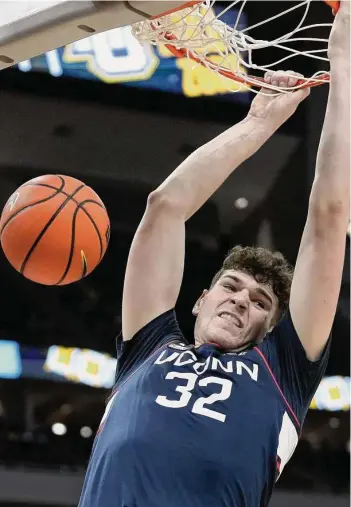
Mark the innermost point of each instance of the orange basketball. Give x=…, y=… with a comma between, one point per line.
x=54, y=230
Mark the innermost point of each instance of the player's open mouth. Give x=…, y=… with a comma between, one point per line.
x=230, y=317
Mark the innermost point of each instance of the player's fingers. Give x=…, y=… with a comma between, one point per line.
x=274, y=78
x=268, y=79
x=268, y=76
x=293, y=78
x=286, y=79
x=283, y=79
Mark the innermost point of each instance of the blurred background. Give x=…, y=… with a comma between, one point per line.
x=120, y=117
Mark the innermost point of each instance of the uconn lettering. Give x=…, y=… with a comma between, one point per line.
x=211, y=364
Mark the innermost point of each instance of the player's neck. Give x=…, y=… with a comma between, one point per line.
x=236, y=350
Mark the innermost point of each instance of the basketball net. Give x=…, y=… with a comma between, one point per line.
x=198, y=32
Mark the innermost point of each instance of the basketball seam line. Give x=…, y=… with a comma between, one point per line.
x=73, y=235
x=58, y=190
x=71, y=250
x=62, y=192
x=45, y=228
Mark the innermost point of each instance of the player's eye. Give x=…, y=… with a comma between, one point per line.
x=260, y=304
x=230, y=287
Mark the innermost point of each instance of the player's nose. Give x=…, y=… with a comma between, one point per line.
x=240, y=300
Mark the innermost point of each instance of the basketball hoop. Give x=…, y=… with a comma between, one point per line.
x=197, y=31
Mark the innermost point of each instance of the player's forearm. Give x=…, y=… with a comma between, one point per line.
x=331, y=188
x=204, y=171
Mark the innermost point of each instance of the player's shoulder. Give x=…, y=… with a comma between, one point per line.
x=163, y=325
x=284, y=327
x=160, y=331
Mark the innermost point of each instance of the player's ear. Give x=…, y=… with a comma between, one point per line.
x=199, y=303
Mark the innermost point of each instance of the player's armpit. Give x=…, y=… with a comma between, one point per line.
x=155, y=265
x=317, y=280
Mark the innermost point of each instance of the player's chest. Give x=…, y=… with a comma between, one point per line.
x=208, y=385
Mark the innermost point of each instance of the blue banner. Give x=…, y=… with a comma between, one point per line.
x=10, y=359
x=117, y=57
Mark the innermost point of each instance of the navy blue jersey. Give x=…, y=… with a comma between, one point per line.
x=199, y=427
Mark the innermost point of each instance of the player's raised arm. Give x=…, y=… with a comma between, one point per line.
x=155, y=264
x=317, y=279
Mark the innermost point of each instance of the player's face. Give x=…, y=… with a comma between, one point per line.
x=236, y=311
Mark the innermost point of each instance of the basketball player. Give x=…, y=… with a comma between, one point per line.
x=213, y=424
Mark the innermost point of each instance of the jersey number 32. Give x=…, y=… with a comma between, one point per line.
x=201, y=404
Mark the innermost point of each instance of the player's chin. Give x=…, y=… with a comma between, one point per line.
x=229, y=340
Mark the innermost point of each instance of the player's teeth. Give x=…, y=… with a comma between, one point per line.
x=230, y=318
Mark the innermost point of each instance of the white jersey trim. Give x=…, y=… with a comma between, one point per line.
x=288, y=440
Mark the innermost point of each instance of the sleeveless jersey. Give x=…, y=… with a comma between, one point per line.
x=199, y=427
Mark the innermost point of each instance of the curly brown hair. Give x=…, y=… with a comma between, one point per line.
x=265, y=266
